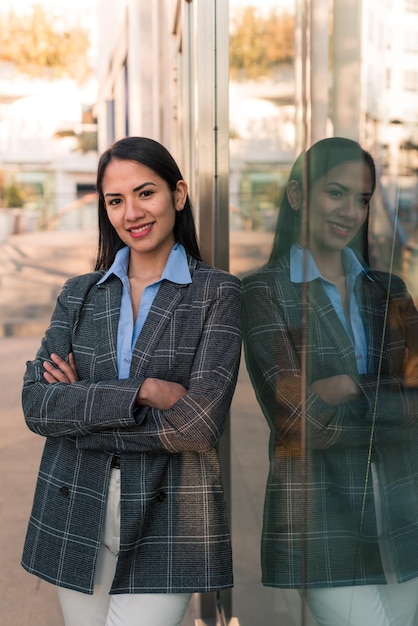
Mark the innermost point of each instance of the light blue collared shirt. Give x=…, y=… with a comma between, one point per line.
x=176, y=270
x=354, y=327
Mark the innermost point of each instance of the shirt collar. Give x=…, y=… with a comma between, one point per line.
x=176, y=269
x=299, y=273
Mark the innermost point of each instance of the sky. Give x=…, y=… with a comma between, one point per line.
x=81, y=12
x=20, y=6
x=80, y=6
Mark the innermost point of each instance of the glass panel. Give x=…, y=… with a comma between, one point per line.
x=323, y=422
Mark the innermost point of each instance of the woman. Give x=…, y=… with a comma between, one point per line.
x=331, y=347
x=131, y=388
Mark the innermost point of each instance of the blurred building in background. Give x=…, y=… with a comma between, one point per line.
x=157, y=75
x=48, y=134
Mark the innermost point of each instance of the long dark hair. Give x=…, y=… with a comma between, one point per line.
x=316, y=162
x=152, y=154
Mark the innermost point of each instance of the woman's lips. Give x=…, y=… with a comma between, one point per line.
x=141, y=231
x=342, y=230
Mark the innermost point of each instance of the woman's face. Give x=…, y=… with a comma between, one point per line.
x=141, y=207
x=338, y=206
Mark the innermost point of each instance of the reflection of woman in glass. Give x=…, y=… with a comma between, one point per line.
x=331, y=347
x=129, y=499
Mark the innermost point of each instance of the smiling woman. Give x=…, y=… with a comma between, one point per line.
x=332, y=350
x=131, y=388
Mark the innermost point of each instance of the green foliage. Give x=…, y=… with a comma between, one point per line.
x=260, y=42
x=40, y=46
x=12, y=197
x=87, y=141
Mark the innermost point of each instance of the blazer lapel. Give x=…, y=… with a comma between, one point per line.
x=321, y=307
x=373, y=304
x=105, y=319
x=166, y=302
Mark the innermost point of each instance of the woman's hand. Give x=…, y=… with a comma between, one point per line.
x=336, y=389
x=159, y=394
x=61, y=372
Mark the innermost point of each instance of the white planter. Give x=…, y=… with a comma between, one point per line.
x=7, y=219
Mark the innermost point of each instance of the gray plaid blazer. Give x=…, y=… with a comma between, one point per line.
x=319, y=525
x=174, y=527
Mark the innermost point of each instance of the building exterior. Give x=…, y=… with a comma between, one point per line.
x=39, y=151
x=163, y=72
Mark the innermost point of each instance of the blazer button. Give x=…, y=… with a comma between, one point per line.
x=161, y=496
x=331, y=492
x=65, y=491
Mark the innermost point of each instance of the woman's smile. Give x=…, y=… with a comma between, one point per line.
x=342, y=230
x=141, y=231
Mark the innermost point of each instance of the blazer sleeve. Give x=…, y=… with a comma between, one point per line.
x=274, y=366
x=294, y=413
x=197, y=420
x=87, y=406
x=390, y=402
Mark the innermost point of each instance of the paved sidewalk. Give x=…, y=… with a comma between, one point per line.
x=24, y=600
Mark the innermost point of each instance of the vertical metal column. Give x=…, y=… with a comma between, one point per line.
x=211, y=132
x=311, y=71
x=347, y=75
x=303, y=74
x=212, y=152
x=304, y=103
x=319, y=68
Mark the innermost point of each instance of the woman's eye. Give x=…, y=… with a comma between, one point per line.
x=146, y=193
x=113, y=202
x=335, y=193
x=364, y=202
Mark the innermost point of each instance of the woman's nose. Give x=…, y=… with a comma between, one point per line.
x=350, y=206
x=132, y=210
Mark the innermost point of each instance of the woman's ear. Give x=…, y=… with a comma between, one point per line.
x=180, y=195
x=294, y=194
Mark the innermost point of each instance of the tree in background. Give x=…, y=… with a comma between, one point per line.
x=41, y=46
x=12, y=196
x=260, y=42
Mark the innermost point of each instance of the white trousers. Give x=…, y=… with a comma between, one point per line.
x=365, y=605
x=102, y=609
